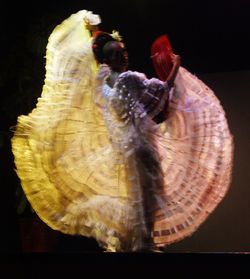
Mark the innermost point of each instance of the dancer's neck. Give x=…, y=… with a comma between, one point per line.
x=112, y=78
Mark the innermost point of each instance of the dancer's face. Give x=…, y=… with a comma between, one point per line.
x=116, y=56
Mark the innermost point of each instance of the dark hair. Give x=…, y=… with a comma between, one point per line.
x=99, y=40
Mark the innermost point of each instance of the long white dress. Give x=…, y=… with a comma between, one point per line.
x=93, y=162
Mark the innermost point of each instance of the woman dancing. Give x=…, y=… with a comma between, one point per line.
x=95, y=160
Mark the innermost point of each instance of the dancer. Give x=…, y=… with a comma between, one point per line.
x=93, y=158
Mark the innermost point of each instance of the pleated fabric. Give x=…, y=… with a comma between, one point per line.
x=126, y=181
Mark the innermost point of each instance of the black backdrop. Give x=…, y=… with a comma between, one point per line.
x=212, y=38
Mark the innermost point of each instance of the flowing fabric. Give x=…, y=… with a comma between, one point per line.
x=93, y=162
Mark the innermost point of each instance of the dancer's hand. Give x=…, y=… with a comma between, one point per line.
x=176, y=59
x=104, y=71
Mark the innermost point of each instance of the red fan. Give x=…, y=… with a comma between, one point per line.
x=161, y=51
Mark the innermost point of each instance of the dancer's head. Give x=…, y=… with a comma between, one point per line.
x=110, y=50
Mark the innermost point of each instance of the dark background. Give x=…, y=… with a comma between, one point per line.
x=212, y=38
